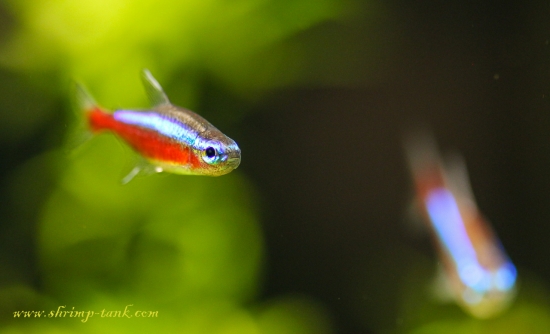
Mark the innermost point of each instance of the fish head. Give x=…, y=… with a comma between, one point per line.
x=217, y=153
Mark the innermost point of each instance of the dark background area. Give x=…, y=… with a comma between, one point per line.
x=329, y=162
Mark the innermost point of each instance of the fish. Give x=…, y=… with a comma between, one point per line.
x=169, y=138
x=477, y=272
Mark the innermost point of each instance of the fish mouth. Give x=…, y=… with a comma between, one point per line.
x=233, y=162
x=233, y=157
x=228, y=166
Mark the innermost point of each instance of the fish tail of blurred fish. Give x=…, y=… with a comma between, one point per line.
x=422, y=160
x=421, y=152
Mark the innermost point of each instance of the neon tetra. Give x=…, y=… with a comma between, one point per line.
x=170, y=138
x=479, y=274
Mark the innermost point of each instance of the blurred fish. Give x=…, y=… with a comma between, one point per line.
x=169, y=138
x=478, y=274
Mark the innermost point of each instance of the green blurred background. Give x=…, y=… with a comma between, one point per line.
x=309, y=234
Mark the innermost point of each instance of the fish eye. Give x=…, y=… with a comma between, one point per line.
x=210, y=155
x=210, y=152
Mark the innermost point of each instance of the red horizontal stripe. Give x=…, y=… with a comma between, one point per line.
x=148, y=143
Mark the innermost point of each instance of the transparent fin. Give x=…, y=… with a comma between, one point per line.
x=154, y=91
x=457, y=176
x=76, y=137
x=83, y=100
x=423, y=160
x=142, y=168
x=135, y=171
x=421, y=151
x=78, y=132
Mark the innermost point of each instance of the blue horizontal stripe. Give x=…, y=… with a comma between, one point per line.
x=449, y=226
x=154, y=121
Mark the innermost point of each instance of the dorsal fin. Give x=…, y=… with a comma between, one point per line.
x=154, y=91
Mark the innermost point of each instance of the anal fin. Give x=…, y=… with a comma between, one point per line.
x=141, y=168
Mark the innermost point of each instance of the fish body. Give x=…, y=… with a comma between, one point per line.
x=479, y=274
x=168, y=137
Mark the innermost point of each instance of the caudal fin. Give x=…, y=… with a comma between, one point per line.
x=83, y=100
x=79, y=130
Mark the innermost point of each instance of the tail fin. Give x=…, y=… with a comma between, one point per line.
x=427, y=171
x=423, y=155
x=83, y=100
x=79, y=131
